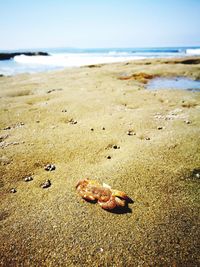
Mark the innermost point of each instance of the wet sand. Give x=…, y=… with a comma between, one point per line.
x=48, y=117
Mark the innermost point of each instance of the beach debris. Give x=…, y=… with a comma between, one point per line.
x=116, y=147
x=108, y=157
x=72, y=121
x=13, y=190
x=46, y=184
x=104, y=195
x=28, y=179
x=50, y=167
x=130, y=132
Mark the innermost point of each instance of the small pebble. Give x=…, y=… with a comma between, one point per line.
x=28, y=179
x=64, y=110
x=37, y=121
x=108, y=157
x=73, y=121
x=7, y=128
x=103, y=128
x=13, y=190
x=187, y=122
x=116, y=147
x=50, y=167
x=196, y=173
x=130, y=132
x=147, y=138
x=159, y=127
x=46, y=184
x=91, y=129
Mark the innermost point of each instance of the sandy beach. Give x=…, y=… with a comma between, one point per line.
x=72, y=119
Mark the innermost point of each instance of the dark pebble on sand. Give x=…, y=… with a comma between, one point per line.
x=147, y=138
x=159, y=127
x=28, y=179
x=130, y=132
x=7, y=128
x=187, y=122
x=73, y=121
x=46, y=184
x=13, y=190
x=108, y=157
x=50, y=167
x=64, y=110
x=116, y=147
x=196, y=173
x=92, y=129
x=103, y=128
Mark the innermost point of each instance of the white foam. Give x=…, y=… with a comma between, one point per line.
x=193, y=51
x=71, y=60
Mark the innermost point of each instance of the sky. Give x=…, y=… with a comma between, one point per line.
x=99, y=23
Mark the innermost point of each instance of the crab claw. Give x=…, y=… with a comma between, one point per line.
x=108, y=205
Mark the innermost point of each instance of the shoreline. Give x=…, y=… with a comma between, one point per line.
x=47, y=118
x=67, y=58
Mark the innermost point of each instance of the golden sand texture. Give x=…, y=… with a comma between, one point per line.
x=72, y=118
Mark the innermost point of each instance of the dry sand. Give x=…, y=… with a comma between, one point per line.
x=54, y=226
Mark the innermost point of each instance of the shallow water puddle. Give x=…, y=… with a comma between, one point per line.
x=181, y=83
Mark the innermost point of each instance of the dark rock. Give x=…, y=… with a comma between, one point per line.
x=50, y=167
x=92, y=129
x=46, y=184
x=108, y=157
x=103, y=128
x=159, y=127
x=116, y=147
x=7, y=56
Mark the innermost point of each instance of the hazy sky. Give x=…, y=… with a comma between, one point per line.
x=98, y=23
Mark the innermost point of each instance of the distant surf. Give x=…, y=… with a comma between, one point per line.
x=73, y=57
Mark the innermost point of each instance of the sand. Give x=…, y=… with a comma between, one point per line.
x=48, y=117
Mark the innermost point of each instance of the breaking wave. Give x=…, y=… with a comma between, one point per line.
x=71, y=60
x=193, y=51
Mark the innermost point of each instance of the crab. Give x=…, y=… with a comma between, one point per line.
x=104, y=195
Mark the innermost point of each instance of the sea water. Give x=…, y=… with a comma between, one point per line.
x=177, y=83
x=73, y=57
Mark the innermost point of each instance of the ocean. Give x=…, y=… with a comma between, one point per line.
x=75, y=57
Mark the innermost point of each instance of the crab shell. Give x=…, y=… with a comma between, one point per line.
x=106, y=197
